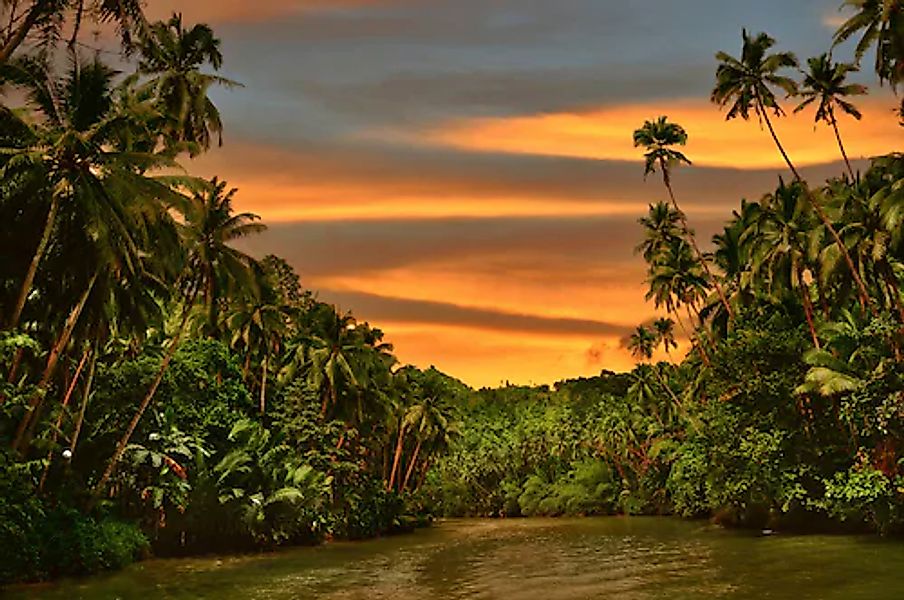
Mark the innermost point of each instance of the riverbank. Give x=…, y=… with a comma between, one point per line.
x=552, y=559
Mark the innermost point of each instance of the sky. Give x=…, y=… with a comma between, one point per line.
x=460, y=173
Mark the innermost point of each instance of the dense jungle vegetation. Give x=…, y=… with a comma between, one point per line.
x=163, y=391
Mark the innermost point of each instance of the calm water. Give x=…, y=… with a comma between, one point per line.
x=528, y=559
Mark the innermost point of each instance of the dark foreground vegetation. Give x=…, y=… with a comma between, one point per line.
x=162, y=391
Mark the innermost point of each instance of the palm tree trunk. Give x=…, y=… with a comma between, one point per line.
x=18, y=36
x=79, y=13
x=665, y=384
x=59, y=422
x=693, y=241
x=396, y=458
x=425, y=468
x=14, y=368
x=808, y=306
x=35, y=261
x=124, y=441
x=844, y=155
x=85, y=396
x=37, y=399
x=417, y=450
x=690, y=338
x=855, y=274
x=264, y=388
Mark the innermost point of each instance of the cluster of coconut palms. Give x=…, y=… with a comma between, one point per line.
x=815, y=247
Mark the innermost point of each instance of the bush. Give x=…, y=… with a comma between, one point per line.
x=866, y=496
x=77, y=545
x=36, y=543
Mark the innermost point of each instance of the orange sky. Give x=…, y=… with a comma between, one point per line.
x=607, y=288
x=605, y=134
x=461, y=172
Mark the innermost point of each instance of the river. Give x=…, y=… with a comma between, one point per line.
x=526, y=559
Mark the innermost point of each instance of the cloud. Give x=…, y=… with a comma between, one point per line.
x=605, y=134
x=378, y=308
x=355, y=181
x=834, y=19
x=461, y=172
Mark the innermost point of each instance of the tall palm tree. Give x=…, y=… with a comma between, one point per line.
x=172, y=57
x=747, y=85
x=826, y=82
x=659, y=137
x=76, y=153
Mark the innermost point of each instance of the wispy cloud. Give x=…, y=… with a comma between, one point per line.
x=605, y=134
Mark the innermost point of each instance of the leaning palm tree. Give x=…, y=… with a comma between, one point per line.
x=659, y=137
x=746, y=84
x=826, y=83
x=172, y=57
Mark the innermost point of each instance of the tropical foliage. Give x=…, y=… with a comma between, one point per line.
x=161, y=390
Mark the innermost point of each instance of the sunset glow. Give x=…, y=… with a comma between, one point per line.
x=603, y=135
x=459, y=176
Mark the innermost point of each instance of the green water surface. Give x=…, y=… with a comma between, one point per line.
x=526, y=559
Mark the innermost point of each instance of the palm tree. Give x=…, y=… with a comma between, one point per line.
x=882, y=23
x=221, y=270
x=642, y=343
x=49, y=19
x=329, y=358
x=746, y=85
x=826, y=82
x=675, y=279
x=101, y=201
x=660, y=230
x=172, y=57
x=781, y=257
x=76, y=153
x=258, y=329
x=658, y=138
x=665, y=333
